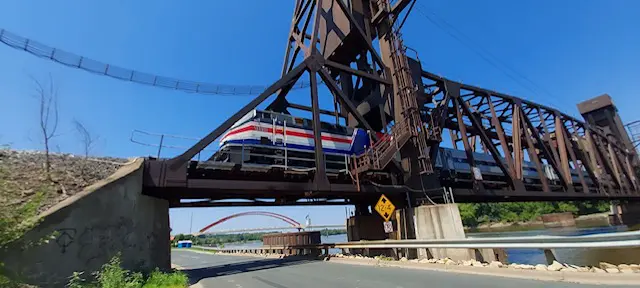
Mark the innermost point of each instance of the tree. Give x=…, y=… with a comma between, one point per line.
x=47, y=96
x=88, y=140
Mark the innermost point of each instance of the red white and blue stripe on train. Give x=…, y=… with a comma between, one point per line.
x=253, y=129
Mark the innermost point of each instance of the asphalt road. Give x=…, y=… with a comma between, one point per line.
x=209, y=270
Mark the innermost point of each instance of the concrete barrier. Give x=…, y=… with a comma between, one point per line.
x=109, y=217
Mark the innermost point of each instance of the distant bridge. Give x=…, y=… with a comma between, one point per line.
x=293, y=224
x=307, y=228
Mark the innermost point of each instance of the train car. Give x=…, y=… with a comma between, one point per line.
x=271, y=138
x=454, y=166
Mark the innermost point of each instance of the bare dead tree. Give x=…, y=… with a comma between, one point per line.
x=88, y=140
x=47, y=96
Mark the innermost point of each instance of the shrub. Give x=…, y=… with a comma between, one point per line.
x=112, y=275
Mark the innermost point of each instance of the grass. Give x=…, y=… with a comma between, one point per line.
x=384, y=258
x=112, y=275
x=203, y=250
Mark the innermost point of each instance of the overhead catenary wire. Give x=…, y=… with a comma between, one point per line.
x=484, y=54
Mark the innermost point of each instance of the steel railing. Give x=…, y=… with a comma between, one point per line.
x=607, y=240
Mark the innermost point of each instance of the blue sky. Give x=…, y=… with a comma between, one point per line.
x=574, y=49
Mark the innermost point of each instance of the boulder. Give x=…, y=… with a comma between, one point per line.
x=627, y=270
x=605, y=265
x=555, y=266
x=423, y=261
x=569, y=269
x=597, y=270
x=612, y=270
x=496, y=264
x=476, y=263
x=450, y=262
x=403, y=259
x=624, y=266
x=541, y=267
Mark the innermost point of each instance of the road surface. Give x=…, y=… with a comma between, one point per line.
x=222, y=271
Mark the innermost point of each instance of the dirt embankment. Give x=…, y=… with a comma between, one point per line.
x=23, y=176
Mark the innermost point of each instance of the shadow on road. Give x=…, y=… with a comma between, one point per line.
x=198, y=274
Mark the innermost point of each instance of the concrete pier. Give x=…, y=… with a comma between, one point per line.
x=626, y=214
x=89, y=228
x=440, y=222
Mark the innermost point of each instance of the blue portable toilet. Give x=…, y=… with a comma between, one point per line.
x=184, y=244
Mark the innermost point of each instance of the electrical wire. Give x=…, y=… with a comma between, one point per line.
x=483, y=53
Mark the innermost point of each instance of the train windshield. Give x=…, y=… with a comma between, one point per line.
x=297, y=122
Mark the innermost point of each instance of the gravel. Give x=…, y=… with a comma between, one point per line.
x=22, y=175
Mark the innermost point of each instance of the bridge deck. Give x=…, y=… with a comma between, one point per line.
x=259, y=186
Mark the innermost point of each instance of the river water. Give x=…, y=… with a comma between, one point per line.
x=521, y=256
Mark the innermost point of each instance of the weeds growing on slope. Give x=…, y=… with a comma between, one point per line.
x=112, y=275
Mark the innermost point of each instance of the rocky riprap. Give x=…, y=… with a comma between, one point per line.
x=555, y=266
x=22, y=176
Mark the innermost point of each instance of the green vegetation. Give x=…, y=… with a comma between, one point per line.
x=112, y=275
x=17, y=216
x=482, y=213
x=329, y=232
x=220, y=239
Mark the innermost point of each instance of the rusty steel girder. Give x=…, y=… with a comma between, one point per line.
x=506, y=126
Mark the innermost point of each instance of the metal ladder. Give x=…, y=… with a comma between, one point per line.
x=408, y=127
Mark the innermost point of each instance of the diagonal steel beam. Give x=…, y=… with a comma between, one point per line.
x=469, y=149
x=355, y=24
x=183, y=158
x=562, y=174
x=352, y=71
x=533, y=155
x=333, y=87
x=494, y=151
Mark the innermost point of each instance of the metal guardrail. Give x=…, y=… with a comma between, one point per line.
x=608, y=240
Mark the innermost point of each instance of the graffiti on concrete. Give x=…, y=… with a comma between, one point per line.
x=98, y=242
x=65, y=238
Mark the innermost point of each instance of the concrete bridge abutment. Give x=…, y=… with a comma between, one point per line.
x=108, y=218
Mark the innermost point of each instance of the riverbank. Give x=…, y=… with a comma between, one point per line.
x=583, y=221
x=610, y=275
x=604, y=273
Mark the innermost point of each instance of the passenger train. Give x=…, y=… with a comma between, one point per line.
x=265, y=137
x=281, y=140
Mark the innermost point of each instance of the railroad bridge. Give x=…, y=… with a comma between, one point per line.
x=505, y=148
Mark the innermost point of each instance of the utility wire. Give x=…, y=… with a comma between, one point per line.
x=483, y=53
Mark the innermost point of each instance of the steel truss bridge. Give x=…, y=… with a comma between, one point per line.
x=385, y=91
x=381, y=89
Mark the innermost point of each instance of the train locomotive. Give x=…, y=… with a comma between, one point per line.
x=275, y=139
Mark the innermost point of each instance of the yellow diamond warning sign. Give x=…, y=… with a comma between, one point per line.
x=385, y=208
